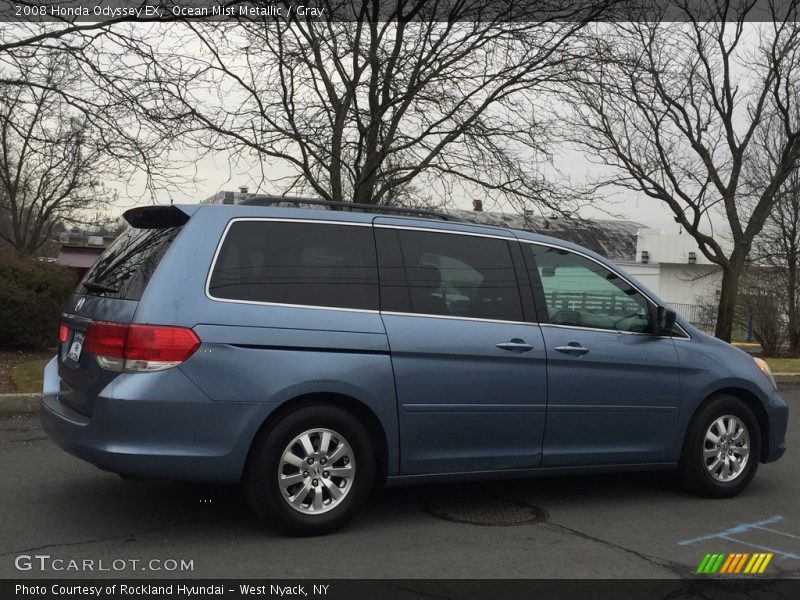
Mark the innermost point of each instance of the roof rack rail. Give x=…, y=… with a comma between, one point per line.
x=266, y=200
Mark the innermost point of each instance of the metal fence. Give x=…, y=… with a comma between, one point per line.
x=702, y=316
x=694, y=313
x=705, y=317
x=606, y=304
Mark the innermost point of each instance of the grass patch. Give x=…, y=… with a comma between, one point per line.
x=27, y=377
x=784, y=365
x=744, y=345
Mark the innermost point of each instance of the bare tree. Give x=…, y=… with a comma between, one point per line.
x=28, y=34
x=50, y=169
x=677, y=112
x=777, y=248
x=39, y=24
x=359, y=110
x=101, y=91
x=761, y=308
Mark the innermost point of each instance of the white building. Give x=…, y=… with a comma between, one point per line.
x=677, y=270
x=669, y=264
x=228, y=197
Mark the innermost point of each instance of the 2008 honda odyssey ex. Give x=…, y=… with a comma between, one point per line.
x=312, y=354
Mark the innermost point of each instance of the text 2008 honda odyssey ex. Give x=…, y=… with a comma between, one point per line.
x=312, y=354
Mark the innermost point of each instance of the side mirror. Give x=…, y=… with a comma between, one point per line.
x=548, y=271
x=665, y=320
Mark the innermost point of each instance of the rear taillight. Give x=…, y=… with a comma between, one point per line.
x=106, y=339
x=138, y=348
x=63, y=333
x=158, y=345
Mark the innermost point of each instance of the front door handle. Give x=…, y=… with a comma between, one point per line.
x=515, y=345
x=573, y=348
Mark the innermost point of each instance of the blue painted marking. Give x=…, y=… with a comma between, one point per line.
x=733, y=530
x=797, y=537
x=778, y=553
x=742, y=528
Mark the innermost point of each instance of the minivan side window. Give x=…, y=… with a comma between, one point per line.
x=580, y=292
x=448, y=274
x=312, y=264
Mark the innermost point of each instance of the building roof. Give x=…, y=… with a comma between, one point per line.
x=610, y=238
x=78, y=257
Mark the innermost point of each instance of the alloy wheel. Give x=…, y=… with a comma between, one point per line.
x=316, y=471
x=726, y=448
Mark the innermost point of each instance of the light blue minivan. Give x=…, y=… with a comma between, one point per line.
x=312, y=354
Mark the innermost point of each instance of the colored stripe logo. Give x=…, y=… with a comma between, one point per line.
x=735, y=563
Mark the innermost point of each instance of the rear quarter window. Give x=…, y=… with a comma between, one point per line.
x=129, y=263
x=310, y=264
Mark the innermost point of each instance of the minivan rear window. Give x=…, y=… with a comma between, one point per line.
x=125, y=268
x=309, y=264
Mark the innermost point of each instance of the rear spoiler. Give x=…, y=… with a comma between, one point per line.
x=158, y=217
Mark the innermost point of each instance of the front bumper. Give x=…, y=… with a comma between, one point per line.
x=778, y=418
x=155, y=425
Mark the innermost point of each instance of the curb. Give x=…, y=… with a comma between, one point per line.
x=787, y=377
x=16, y=404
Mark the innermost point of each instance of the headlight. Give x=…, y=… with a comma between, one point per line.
x=764, y=368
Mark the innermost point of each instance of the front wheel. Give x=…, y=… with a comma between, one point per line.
x=312, y=472
x=721, y=450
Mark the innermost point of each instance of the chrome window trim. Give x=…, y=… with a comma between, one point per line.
x=392, y=313
x=280, y=304
x=424, y=315
x=450, y=231
x=580, y=328
x=618, y=274
x=284, y=305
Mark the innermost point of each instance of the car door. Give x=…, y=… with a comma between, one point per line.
x=468, y=361
x=613, y=387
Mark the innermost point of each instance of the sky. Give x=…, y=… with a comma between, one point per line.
x=620, y=204
x=215, y=174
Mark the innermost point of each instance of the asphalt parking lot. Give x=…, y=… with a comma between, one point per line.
x=631, y=526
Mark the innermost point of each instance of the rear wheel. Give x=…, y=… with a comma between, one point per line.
x=311, y=472
x=722, y=449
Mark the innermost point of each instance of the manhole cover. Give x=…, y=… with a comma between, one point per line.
x=488, y=512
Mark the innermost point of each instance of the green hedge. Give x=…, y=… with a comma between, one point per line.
x=32, y=297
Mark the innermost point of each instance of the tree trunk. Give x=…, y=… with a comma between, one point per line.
x=794, y=334
x=365, y=193
x=727, y=302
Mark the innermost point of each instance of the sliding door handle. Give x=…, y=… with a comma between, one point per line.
x=572, y=348
x=515, y=345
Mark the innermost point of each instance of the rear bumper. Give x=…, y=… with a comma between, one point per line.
x=162, y=426
x=778, y=416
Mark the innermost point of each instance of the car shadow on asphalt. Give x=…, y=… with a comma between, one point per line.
x=148, y=504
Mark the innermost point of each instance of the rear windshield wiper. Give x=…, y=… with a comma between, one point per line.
x=99, y=287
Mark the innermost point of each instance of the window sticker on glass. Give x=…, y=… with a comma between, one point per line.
x=76, y=347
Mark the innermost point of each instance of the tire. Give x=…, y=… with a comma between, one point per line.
x=704, y=474
x=322, y=501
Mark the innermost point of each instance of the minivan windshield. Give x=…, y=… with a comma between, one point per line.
x=125, y=268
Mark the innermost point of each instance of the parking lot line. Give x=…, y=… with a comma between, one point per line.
x=742, y=528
